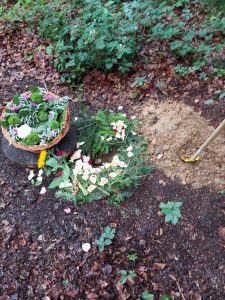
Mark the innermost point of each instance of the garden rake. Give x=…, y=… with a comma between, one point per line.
x=196, y=156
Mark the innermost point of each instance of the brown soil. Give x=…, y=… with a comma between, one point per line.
x=172, y=130
x=41, y=244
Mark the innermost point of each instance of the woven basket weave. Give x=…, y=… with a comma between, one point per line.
x=38, y=148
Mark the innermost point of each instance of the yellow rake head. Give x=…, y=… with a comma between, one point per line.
x=189, y=160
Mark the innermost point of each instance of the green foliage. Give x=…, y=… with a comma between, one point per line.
x=54, y=124
x=42, y=116
x=171, y=210
x=106, y=238
x=166, y=297
x=139, y=81
x=13, y=120
x=32, y=139
x=36, y=97
x=132, y=257
x=97, y=133
x=146, y=296
x=215, y=6
x=209, y=102
x=125, y=275
x=108, y=34
x=119, y=169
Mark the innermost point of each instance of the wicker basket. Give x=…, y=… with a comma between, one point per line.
x=38, y=148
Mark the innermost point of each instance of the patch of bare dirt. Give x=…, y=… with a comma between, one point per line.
x=173, y=129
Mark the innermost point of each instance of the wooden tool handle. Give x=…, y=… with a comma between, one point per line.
x=209, y=140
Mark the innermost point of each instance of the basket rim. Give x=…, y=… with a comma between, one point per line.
x=39, y=148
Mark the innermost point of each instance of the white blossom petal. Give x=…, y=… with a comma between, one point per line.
x=91, y=188
x=103, y=181
x=130, y=148
x=86, y=247
x=23, y=131
x=130, y=154
x=93, y=179
x=39, y=178
x=120, y=107
x=40, y=172
x=43, y=191
x=31, y=175
x=76, y=155
x=113, y=174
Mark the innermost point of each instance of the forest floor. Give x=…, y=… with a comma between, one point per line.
x=41, y=239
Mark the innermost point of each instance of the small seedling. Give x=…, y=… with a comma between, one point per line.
x=171, y=210
x=132, y=257
x=165, y=297
x=106, y=238
x=209, y=102
x=221, y=192
x=139, y=81
x=159, y=85
x=65, y=282
x=125, y=275
x=146, y=296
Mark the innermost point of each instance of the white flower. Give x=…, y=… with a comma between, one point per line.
x=118, y=135
x=92, y=170
x=123, y=164
x=120, y=107
x=65, y=185
x=86, y=167
x=78, y=167
x=76, y=155
x=23, y=131
x=91, y=188
x=120, y=123
x=93, y=179
x=98, y=170
x=133, y=117
x=40, y=172
x=130, y=148
x=124, y=115
x=103, y=181
x=130, y=154
x=85, y=176
x=75, y=119
x=39, y=178
x=109, y=139
x=113, y=174
x=134, y=133
x=102, y=138
x=42, y=191
x=67, y=210
x=123, y=134
x=107, y=165
x=86, y=247
x=86, y=159
x=31, y=175
x=115, y=161
x=80, y=144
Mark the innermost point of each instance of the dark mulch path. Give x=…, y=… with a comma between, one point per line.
x=41, y=244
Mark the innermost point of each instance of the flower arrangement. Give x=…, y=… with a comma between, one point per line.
x=108, y=160
x=34, y=117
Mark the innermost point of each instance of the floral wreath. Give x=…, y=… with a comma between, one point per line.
x=108, y=160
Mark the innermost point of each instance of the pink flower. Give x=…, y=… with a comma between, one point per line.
x=48, y=97
x=26, y=95
x=59, y=153
x=59, y=173
x=15, y=107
